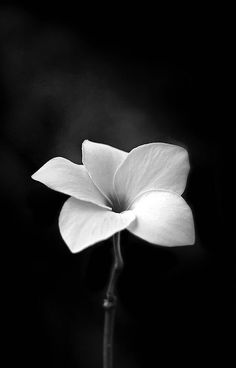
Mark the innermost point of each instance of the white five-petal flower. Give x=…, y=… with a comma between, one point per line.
x=115, y=190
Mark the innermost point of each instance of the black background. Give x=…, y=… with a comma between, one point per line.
x=123, y=77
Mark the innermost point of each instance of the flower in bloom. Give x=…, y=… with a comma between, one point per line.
x=114, y=190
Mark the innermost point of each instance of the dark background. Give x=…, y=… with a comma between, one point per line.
x=123, y=77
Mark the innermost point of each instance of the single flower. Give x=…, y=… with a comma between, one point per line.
x=114, y=190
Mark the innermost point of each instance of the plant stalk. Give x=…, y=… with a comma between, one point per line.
x=110, y=303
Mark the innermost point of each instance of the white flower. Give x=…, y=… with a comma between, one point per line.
x=114, y=190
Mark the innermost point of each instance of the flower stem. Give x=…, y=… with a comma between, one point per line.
x=110, y=303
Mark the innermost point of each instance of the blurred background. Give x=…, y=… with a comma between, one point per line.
x=124, y=79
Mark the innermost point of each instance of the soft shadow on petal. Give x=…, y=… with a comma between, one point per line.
x=163, y=218
x=64, y=176
x=153, y=166
x=101, y=162
x=82, y=224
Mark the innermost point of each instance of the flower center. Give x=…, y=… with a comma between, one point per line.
x=118, y=205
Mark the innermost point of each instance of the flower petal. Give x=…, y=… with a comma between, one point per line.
x=64, y=176
x=82, y=224
x=101, y=162
x=163, y=218
x=154, y=166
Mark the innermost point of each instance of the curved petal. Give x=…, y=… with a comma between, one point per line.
x=153, y=166
x=163, y=218
x=101, y=162
x=64, y=176
x=82, y=224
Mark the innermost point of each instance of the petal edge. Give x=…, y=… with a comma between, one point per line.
x=83, y=224
x=152, y=166
x=102, y=161
x=163, y=218
x=69, y=178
